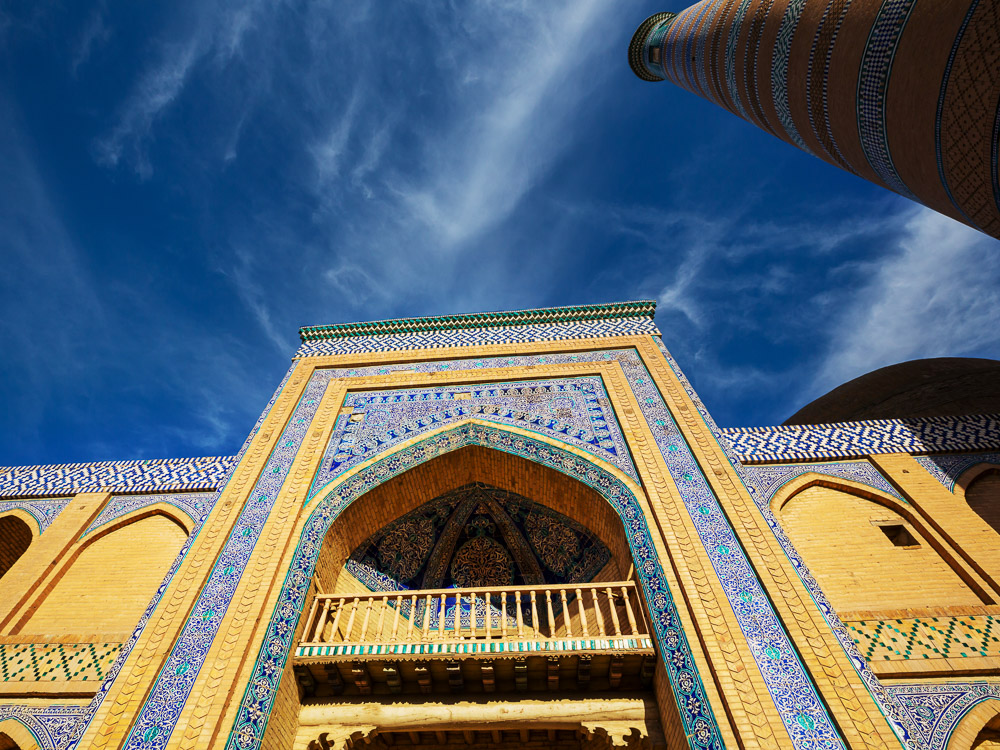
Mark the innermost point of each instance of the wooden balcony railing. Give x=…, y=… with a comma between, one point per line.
x=599, y=617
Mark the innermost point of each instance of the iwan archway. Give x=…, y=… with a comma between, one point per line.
x=565, y=480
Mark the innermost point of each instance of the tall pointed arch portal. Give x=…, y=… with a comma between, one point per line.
x=323, y=601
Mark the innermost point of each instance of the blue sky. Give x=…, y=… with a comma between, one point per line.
x=184, y=184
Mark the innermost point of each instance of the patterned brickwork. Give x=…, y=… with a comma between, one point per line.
x=967, y=117
x=850, y=73
x=52, y=662
x=160, y=475
x=948, y=468
x=854, y=439
x=927, y=637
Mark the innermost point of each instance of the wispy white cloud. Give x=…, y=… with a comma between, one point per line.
x=94, y=34
x=217, y=30
x=514, y=122
x=936, y=293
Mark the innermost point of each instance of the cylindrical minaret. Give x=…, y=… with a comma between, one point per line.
x=905, y=93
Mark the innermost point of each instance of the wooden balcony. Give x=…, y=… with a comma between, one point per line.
x=521, y=638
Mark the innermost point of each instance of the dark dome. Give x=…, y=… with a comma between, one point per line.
x=941, y=387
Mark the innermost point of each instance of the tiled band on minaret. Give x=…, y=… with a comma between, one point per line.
x=905, y=93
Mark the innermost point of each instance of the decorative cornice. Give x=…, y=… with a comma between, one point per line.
x=635, y=309
x=637, y=47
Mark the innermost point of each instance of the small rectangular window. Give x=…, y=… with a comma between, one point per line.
x=899, y=535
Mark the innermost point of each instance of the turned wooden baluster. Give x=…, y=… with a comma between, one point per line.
x=566, y=615
x=381, y=619
x=597, y=613
x=318, y=634
x=350, y=620
x=395, y=619
x=535, y=623
x=488, y=608
x=520, y=615
x=629, y=612
x=310, y=627
x=427, y=617
x=582, y=609
x=614, y=612
x=336, y=618
x=551, y=614
x=366, y=620
x=472, y=615
x=441, y=618
x=413, y=617
x=503, y=615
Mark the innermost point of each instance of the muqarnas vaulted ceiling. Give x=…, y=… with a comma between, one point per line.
x=478, y=536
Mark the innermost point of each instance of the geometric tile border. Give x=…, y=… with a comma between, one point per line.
x=958, y=637
x=478, y=336
x=51, y=662
x=159, y=475
x=948, y=468
x=856, y=439
x=415, y=650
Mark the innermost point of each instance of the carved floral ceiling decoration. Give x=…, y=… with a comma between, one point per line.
x=478, y=536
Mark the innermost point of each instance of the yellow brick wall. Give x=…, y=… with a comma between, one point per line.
x=15, y=536
x=983, y=496
x=856, y=565
x=108, y=584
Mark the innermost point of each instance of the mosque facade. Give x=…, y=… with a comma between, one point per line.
x=509, y=530
x=904, y=93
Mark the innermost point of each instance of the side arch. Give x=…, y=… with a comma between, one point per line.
x=979, y=729
x=980, y=488
x=124, y=563
x=19, y=734
x=615, y=487
x=18, y=530
x=849, y=534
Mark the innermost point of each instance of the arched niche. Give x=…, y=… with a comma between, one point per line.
x=981, y=486
x=16, y=534
x=123, y=563
x=979, y=729
x=16, y=736
x=486, y=497
x=617, y=511
x=867, y=550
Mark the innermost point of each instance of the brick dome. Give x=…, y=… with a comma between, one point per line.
x=944, y=386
